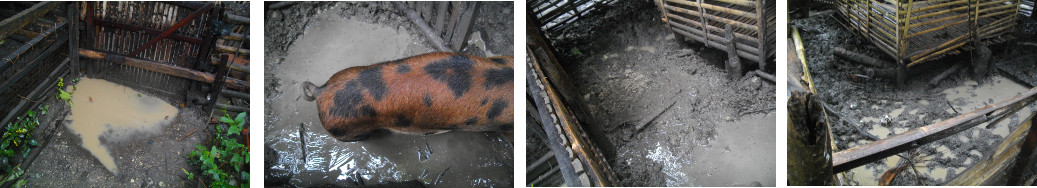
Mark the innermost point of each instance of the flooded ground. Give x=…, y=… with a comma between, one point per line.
x=94, y=119
x=877, y=107
x=318, y=40
x=118, y=140
x=629, y=67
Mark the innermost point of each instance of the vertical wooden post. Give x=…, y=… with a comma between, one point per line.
x=734, y=63
x=809, y=153
x=73, y=37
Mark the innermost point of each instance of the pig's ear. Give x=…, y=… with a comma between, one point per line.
x=310, y=91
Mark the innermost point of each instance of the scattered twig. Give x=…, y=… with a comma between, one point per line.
x=642, y=127
x=851, y=124
x=441, y=175
x=188, y=134
x=30, y=100
x=201, y=182
x=952, y=107
x=302, y=140
x=767, y=110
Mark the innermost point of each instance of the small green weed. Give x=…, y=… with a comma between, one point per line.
x=64, y=95
x=223, y=163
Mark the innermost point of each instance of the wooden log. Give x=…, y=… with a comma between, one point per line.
x=236, y=19
x=16, y=22
x=936, y=80
x=809, y=153
x=162, y=68
x=857, y=57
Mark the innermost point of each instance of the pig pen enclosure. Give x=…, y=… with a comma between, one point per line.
x=312, y=41
x=951, y=123
x=617, y=97
x=118, y=94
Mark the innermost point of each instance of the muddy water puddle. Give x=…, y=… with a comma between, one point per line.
x=332, y=43
x=731, y=158
x=105, y=112
x=969, y=96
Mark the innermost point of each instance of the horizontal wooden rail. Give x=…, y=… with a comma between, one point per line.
x=162, y=68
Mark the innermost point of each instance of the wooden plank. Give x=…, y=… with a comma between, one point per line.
x=161, y=68
x=880, y=149
x=73, y=36
x=16, y=22
x=993, y=167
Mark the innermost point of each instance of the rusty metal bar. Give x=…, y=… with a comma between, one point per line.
x=91, y=27
x=128, y=27
x=170, y=31
x=853, y=157
x=161, y=68
x=16, y=22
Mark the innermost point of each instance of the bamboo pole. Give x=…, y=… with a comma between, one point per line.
x=717, y=8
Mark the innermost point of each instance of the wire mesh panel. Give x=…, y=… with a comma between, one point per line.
x=125, y=28
x=751, y=22
x=913, y=32
x=29, y=55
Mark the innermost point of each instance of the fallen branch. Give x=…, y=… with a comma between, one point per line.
x=642, y=127
x=188, y=134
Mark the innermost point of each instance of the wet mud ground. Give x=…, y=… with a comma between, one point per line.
x=879, y=108
x=312, y=41
x=628, y=67
x=144, y=159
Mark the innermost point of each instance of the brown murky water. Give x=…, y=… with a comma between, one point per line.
x=105, y=112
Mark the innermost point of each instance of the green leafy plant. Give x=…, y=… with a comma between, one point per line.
x=15, y=175
x=64, y=95
x=18, y=140
x=224, y=163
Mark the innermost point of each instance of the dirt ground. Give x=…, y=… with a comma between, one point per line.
x=630, y=67
x=312, y=41
x=879, y=108
x=144, y=160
